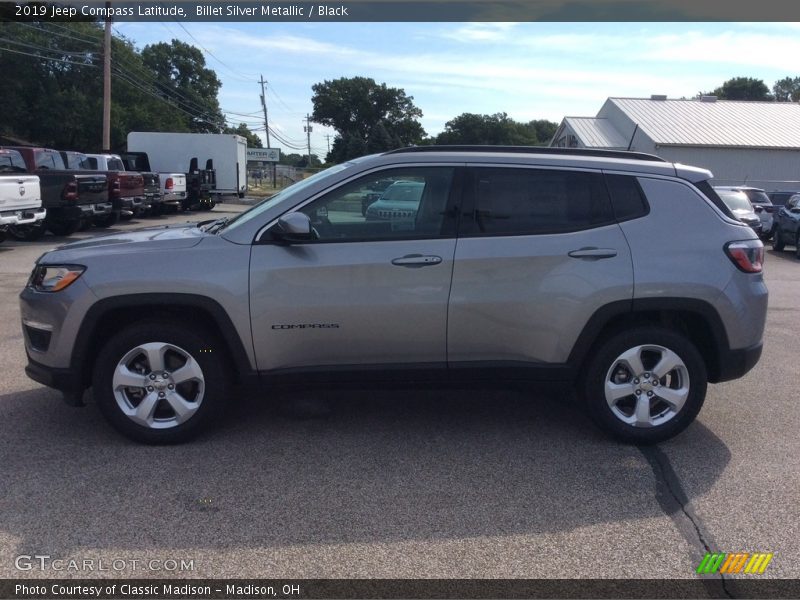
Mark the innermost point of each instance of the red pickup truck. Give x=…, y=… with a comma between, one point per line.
x=127, y=188
x=70, y=198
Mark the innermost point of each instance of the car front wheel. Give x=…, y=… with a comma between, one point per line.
x=645, y=385
x=160, y=382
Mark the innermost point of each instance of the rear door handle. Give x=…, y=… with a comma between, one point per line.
x=417, y=260
x=593, y=253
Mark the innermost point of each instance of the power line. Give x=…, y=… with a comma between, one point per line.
x=237, y=74
x=50, y=59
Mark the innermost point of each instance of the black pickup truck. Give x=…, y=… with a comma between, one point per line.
x=71, y=198
x=137, y=161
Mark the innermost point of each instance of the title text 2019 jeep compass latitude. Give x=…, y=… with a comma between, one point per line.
x=617, y=271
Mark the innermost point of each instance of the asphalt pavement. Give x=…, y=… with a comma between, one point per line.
x=407, y=484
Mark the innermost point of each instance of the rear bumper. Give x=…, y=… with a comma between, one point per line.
x=24, y=216
x=96, y=210
x=735, y=363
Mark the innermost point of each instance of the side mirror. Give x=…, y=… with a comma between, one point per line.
x=758, y=209
x=293, y=227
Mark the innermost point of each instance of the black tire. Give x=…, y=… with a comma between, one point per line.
x=64, y=228
x=797, y=244
x=605, y=357
x=778, y=243
x=156, y=210
x=27, y=233
x=201, y=347
x=86, y=224
x=2, y=235
x=108, y=220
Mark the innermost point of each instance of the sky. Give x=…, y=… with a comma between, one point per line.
x=528, y=70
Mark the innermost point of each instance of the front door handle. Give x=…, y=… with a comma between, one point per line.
x=593, y=253
x=417, y=260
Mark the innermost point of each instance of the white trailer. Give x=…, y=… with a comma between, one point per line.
x=171, y=152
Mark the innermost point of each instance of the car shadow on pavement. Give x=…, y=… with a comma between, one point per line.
x=381, y=466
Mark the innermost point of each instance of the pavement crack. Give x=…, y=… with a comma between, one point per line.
x=675, y=503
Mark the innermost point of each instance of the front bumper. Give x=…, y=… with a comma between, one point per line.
x=65, y=380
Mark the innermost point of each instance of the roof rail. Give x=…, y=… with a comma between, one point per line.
x=533, y=150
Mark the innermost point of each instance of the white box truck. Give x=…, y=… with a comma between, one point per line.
x=170, y=152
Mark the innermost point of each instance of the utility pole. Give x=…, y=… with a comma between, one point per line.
x=308, y=130
x=107, y=82
x=328, y=139
x=266, y=127
x=264, y=106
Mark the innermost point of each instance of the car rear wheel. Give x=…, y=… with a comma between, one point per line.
x=797, y=244
x=778, y=243
x=28, y=233
x=107, y=220
x=159, y=382
x=64, y=228
x=645, y=385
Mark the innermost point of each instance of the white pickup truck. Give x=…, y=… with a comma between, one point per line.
x=20, y=193
x=173, y=189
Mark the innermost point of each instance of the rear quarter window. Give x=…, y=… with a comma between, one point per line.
x=627, y=198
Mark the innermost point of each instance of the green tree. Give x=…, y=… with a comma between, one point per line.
x=253, y=141
x=379, y=139
x=182, y=77
x=497, y=129
x=53, y=90
x=787, y=89
x=743, y=88
x=355, y=106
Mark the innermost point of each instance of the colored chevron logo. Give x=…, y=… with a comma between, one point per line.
x=734, y=562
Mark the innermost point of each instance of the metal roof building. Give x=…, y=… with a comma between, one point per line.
x=753, y=143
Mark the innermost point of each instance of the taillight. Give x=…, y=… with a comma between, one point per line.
x=747, y=255
x=115, y=189
x=70, y=193
x=169, y=185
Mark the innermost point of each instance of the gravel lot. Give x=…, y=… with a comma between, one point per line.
x=456, y=484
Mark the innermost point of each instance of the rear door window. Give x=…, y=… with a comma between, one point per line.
x=526, y=201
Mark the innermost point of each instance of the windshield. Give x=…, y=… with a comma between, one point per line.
x=404, y=192
x=757, y=196
x=735, y=200
x=268, y=203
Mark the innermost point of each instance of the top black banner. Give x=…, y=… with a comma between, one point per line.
x=408, y=10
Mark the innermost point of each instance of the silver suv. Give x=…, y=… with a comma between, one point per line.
x=616, y=271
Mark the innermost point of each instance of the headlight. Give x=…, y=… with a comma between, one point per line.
x=54, y=278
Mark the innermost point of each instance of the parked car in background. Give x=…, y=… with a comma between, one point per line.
x=131, y=183
x=780, y=197
x=787, y=226
x=399, y=202
x=523, y=264
x=71, y=198
x=740, y=206
x=135, y=161
x=126, y=190
x=372, y=192
x=762, y=206
x=20, y=194
x=172, y=184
